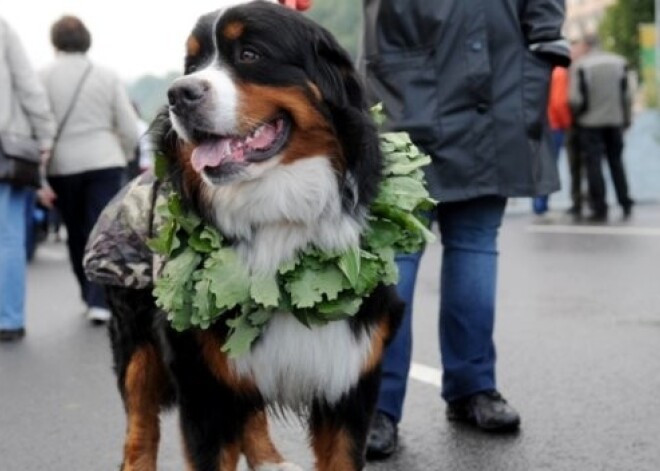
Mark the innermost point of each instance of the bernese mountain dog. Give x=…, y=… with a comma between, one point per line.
x=268, y=138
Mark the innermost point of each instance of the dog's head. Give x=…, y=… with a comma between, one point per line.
x=269, y=122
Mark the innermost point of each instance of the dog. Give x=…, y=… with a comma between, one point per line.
x=268, y=138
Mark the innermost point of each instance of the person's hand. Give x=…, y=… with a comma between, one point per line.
x=46, y=197
x=45, y=156
x=300, y=5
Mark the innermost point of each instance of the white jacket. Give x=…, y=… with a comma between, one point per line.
x=102, y=130
x=24, y=107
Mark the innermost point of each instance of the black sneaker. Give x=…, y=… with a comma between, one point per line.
x=487, y=410
x=383, y=437
x=627, y=210
x=11, y=335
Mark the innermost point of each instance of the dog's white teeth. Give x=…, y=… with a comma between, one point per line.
x=255, y=134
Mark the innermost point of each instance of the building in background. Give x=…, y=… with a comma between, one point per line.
x=584, y=16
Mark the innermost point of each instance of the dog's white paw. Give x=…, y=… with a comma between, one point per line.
x=284, y=466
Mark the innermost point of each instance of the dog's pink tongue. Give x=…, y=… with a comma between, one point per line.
x=212, y=154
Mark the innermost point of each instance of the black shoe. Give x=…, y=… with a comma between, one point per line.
x=11, y=335
x=575, y=211
x=488, y=410
x=383, y=437
x=597, y=218
x=627, y=210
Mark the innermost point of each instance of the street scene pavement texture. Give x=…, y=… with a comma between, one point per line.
x=577, y=331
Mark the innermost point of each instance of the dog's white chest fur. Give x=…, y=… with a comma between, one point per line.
x=285, y=209
x=292, y=364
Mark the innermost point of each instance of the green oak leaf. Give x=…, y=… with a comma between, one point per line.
x=265, y=291
x=241, y=335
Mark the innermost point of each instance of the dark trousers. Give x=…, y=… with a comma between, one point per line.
x=80, y=199
x=596, y=143
x=575, y=166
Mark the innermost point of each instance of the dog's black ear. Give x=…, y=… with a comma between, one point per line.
x=334, y=74
x=343, y=96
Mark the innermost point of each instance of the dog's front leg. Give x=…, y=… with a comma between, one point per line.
x=143, y=380
x=339, y=431
x=258, y=448
x=141, y=375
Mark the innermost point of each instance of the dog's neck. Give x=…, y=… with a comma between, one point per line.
x=286, y=210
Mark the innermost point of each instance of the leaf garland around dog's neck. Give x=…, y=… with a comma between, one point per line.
x=203, y=279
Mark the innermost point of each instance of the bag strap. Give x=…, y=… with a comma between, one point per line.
x=72, y=104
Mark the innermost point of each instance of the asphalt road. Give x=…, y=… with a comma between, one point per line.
x=578, y=335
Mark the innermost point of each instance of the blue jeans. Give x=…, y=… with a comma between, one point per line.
x=469, y=231
x=13, y=203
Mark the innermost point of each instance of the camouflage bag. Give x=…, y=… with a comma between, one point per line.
x=117, y=253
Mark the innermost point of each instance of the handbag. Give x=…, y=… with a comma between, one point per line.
x=20, y=156
x=20, y=160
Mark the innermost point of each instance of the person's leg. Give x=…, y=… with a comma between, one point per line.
x=469, y=232
x=70, y=204
x=575, y=164
x=382, y=438
x=592, y=146
x=396, y=360
x=614, y=152
x=13, y=202
x=99, y=187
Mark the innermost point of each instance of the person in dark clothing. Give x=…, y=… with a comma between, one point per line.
x=601, y=102
x=572, y=145
x=469, y=81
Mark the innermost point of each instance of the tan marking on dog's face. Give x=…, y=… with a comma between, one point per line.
x=233, y=30
x=143, y=385
x=257, y=444
x=311, y=134
x=192, y=46
x=333, y=449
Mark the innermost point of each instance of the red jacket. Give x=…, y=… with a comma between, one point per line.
x=559, y=112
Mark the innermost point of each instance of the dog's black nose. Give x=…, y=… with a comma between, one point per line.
x=187, y=93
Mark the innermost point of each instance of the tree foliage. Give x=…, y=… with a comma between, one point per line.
x=343, y=18
x=618, y=30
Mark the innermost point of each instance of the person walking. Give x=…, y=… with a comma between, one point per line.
x=601, y=101
x=469, y=81
x=97, y=135
x=24, y=111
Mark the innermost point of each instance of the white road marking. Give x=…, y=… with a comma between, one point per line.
x=595, y=230
x=425, y=374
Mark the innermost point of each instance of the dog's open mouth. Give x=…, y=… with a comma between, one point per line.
x=263, y=143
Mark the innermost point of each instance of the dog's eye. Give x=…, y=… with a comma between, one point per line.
x=248, y=55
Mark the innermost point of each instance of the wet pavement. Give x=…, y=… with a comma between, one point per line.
x=578, y=336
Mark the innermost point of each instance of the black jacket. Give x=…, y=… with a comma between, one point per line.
x=469, y=80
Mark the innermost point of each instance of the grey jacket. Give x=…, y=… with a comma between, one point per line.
x=102, y=130
x=599, y=94
x=469, y=80
x=24, y=108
